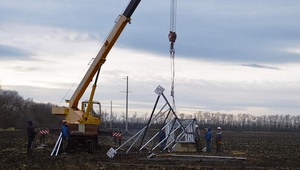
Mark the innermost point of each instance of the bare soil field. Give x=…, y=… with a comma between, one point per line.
x=261, y=150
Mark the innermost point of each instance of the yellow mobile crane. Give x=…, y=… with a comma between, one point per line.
x=83, y=124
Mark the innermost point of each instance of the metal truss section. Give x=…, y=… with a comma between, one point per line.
x=176, y=131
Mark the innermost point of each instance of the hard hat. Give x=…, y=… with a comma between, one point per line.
x=196, y=126
x=219, y=128
x=63, y=121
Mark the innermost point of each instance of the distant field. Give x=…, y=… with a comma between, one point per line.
x=262, y=150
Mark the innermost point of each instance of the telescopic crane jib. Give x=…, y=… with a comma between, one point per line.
x=84, y=123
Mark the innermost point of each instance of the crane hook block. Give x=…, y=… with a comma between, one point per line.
x=172, y=36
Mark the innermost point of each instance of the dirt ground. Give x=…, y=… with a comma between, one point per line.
x=261, y=150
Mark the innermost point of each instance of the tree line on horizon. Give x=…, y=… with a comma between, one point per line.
x=15, y=111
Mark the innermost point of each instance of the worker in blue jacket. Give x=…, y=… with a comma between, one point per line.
x=65, y=136
x=208, y=138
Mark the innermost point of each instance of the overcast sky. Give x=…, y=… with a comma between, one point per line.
x=232, y=56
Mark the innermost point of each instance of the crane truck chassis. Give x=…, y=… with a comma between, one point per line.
x=83, y=125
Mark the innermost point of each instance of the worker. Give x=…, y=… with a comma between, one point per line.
x=197, y=139
x=204, y=136
x=31, y=135
x=219, y=139
x=65, y=136
x=208, y=138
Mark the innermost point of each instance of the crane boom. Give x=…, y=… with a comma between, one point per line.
x=103, y=52
x=73, y=114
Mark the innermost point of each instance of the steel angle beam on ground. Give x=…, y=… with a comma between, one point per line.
x=159, y=157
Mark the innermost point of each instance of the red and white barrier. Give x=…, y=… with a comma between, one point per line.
x=44, y=131
x=117, y=135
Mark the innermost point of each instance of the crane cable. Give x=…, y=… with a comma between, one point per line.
x=172, y=38
x=77, y=79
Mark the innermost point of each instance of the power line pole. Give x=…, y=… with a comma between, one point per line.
x=126, y=129
x=105, y=119
x=110, y=115
x=126, y=111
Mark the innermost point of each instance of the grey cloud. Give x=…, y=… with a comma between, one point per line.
x=260, y=66
x=224, y=31
x=10, y=52
x=252, y=32
x=25, y=69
